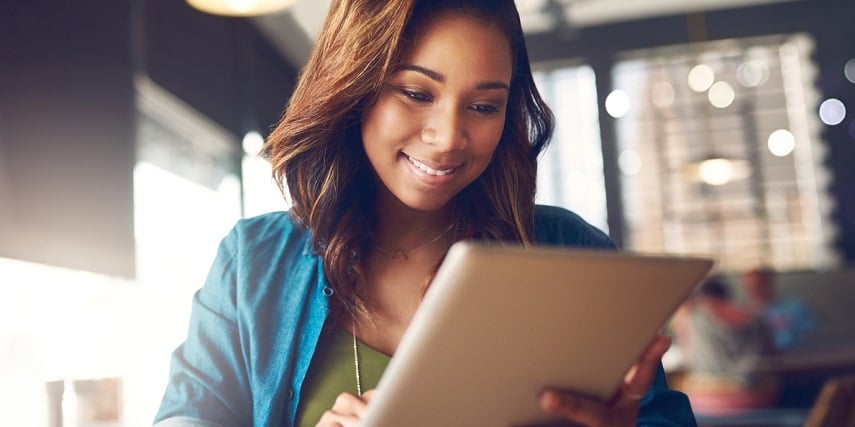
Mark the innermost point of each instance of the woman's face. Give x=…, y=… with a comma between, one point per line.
x=439, y=117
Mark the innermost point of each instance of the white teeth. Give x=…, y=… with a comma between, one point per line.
x=428, y=170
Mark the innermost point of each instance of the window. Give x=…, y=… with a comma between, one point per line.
x=260, y=192
x=719, y=153
x=570, y=170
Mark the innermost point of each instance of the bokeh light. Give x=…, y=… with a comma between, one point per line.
x=832, y=111
x=752, y=73
x=617, y=103
x=701, y=77
x=721, y=95
x=781, y=142
x=715, y=171
x=849, y=70
x=629, y=162
x=662, y=94
x=252, y=143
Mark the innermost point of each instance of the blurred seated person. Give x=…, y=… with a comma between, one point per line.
x=722, y=344
x=788, y=319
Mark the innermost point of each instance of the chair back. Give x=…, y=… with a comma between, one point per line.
x=835, y=405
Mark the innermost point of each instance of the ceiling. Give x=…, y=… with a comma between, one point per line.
x=294, y=30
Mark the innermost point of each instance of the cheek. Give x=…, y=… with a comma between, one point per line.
x=383, y=123
x=371, y=127
x=488, y=140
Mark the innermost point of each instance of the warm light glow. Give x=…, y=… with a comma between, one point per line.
x=240, y=7
x=721, y=95
x=832, y=111
x=716, y=171
x=662, y=94
x=719, y=171
x=252, y=143
x=617, y=103
x=701, y=78
x=752, y=73
x=781, y=142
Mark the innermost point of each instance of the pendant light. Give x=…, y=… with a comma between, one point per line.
x=240, y=8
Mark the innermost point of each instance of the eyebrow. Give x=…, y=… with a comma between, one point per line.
x=438, y=77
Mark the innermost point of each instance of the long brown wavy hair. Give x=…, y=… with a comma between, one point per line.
x=317, y=152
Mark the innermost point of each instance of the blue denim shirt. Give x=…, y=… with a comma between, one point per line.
x=256, y=322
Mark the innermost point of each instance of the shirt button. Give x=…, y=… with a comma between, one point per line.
x=290, y=393
x=328, y=291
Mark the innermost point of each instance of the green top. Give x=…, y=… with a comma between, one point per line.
x=333, y=372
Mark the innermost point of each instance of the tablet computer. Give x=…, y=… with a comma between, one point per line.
x=500, y=323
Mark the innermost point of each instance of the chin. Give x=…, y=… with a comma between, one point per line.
x=424, y=204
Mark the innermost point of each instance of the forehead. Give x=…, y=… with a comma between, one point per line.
x=461, y=38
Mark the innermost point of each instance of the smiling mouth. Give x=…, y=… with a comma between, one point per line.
x=428, y=170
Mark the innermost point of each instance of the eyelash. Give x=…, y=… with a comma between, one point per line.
x=416, y=95
x=485, y=109
x=421, y=97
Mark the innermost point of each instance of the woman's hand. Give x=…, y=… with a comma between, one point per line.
x=622, y=410
x=347, y=411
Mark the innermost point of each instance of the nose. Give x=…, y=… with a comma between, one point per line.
x=444, y=129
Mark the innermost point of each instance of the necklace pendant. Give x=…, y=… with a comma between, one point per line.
x=400, y=255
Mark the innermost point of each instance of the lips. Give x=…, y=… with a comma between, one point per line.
x=429, y=170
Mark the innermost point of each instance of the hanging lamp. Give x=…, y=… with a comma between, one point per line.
x=240, y=8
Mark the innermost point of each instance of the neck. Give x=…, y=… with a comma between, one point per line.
x=401, y=227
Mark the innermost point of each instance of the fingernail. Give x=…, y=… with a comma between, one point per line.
x=550, y=401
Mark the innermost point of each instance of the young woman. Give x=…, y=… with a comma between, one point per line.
x=415, y=124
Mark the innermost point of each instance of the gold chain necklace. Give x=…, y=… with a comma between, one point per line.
x=356, y=361
x=397, y=255
x=402, y=255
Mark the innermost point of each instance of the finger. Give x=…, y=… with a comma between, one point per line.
x=347, y=410
x=361, y=407
x=640, y=376
x=347, y=403
x=333, y=419
x=369, y=394
x=574, y=408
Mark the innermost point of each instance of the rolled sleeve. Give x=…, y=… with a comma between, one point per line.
x=185, y=422
x=663, y=407
x=208, y=384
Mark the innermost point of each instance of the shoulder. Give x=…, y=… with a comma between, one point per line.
x=267, y=235
x=268, y=227
x=259, y=254
x=276, y=222
x=560, y=227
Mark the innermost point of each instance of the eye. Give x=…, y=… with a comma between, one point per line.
x=416, y=95
x=484, y=108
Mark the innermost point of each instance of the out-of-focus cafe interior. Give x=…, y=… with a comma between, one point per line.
x=129, y=140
